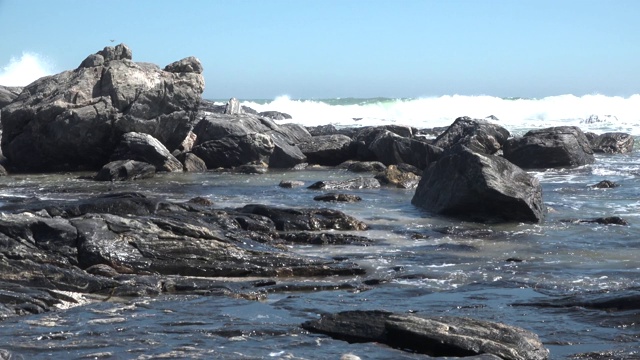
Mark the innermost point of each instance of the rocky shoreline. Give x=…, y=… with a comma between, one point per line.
x=127, y=121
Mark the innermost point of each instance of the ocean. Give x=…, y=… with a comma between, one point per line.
x=422, y=263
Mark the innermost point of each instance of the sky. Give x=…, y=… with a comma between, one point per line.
x=315, y=49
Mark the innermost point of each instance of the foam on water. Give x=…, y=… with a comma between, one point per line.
x=613, y=113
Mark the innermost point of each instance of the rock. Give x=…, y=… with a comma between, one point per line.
x=275, y=115
x=191, y=162
x=187, y=65
x=325, y=238
x=476, y=134
x=145, y=148
x=352, y=184
x=188, y=142
x=294, y=133
x=305, y=219
x=233, y=107
x=3, y=171
x=605, y=184
x=594, y=119
x=329, y=150
x=366, y=166
x=8, y=94
x=232, y=151
x=445, y=336
x=74, y=120
x=338, y=197
x=393, y=175
x=608, y=300
x=260, y=168
x=125, y=170
x=392, y=149
x=285, y=153
x=473, y=186
x=613, y=143
x=561, y=146
x=610, y=220
x=291, y=183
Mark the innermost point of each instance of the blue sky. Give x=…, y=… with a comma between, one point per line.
x=347, y=48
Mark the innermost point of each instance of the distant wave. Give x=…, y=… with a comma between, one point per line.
x=24, y=70
x=616, y=113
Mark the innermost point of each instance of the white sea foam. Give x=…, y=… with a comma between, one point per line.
x=24, y=70
x=613, y=113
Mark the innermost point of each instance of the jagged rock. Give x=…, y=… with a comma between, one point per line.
x=610, y=220
x=594, y=119
x=612, y=143
x=338, y=197
x=329, y=150
x=233, y=107
x=605, y=184
x=548, y=148
x=352, y=184
x=305, y=219
x=74, y=120
x=145, y=148
x=8, y=94
x=394, y=175
x=325, y=238
x=481, y=187
x=191, y=162
x=124, y=170
x=392, y=149
x=476, y=134
x=187, y=65
x=366, y=166
x=275, y=115
x=445, y=336
x=232, y=151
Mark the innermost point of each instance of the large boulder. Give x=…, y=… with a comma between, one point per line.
x=125, y=170
x=281, y=153
x=562, y=146
x=75, y=119
x=612, y=143
x=474, y=186
x=329, y=150
x=392, y=149
x=145, y=148
x=476, y=134
x=235, y=150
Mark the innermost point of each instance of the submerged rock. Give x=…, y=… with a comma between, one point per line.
x=435, y=336
x=612, y=143
x=605, y=184
x=352, y=184
x=338, y=197
x=125, y=170
x=470, y=185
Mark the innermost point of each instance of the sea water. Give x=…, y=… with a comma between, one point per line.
x=424, y=264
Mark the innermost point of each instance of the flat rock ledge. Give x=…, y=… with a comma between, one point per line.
x=130, y=244
x=434, y=336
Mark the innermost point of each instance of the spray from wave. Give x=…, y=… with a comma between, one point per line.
x=24, y=70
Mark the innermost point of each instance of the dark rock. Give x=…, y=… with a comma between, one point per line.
x=291, y=183
x=124, y=170
x=312, y=238
x=469, y=185
x=201, y=201
x=435, y=336
x=609, y=300
x=476, y=134
x=74, y=120
x=305, y=219
x=145, y=148
x=605, y=184
x=338, y=197
x=234, y=151
x=613, y=143
x=392, y=149
x=322, y=130
x=329, y=150
x=8, y=94
x=285, y=154
x=275, y=115
x=191, y=162
x=394, y=176
x=611, y=220
x=595, y=119
x=561, y=146
x=366, y=166
x=353, y=184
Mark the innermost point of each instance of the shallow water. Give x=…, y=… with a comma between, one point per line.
x=425, y=264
